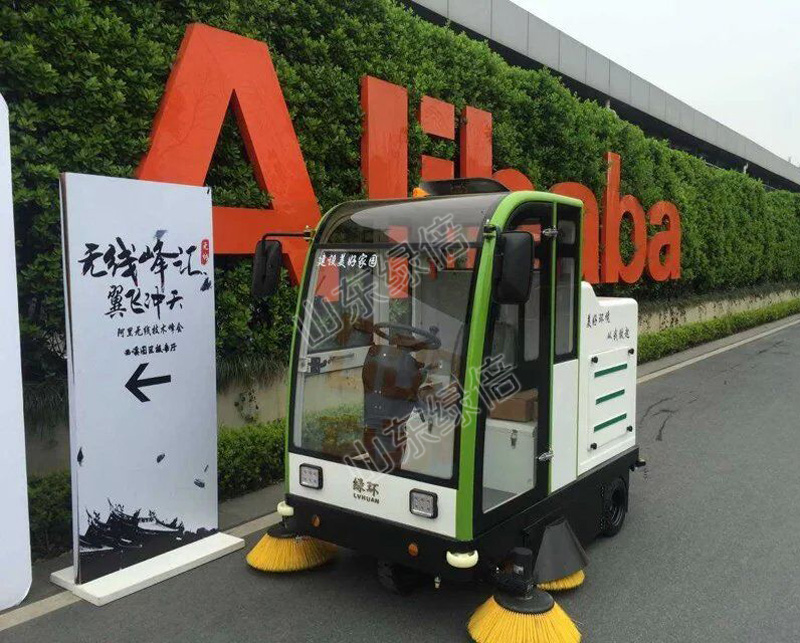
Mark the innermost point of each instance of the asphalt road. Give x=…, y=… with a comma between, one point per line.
x=710, y=551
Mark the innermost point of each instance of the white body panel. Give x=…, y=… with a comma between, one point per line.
x=510, y=458
x=564, y=438
x=390, y=503
x=607, y=389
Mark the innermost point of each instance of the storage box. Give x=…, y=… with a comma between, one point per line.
x=509, y=465
x=520, y=407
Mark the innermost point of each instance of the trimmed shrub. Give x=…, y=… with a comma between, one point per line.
x=50, y=511
x=654, y=346
x=248, y=458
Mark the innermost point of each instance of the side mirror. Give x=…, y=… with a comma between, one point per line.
x=267, y=263
x=514, y=264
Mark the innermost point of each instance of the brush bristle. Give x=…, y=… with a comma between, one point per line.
x=568, y=582
x=289, y=554
x=492, y=623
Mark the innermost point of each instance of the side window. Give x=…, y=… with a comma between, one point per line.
x=531, y=311
x=506, y=338
x=518, y=347
x=567, y=281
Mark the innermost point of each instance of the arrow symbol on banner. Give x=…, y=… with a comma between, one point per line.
x=135, y=384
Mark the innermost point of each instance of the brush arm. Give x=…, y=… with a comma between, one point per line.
x=517, y=578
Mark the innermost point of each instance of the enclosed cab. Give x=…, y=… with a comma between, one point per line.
x=455, y=388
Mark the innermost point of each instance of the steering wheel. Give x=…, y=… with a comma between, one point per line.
x=404, y=336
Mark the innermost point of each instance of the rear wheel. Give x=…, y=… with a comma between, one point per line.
x=615, y=507
x=399, y=579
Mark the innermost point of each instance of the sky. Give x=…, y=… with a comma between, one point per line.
x=737, y=62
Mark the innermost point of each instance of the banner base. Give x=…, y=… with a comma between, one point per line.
x=145, y=574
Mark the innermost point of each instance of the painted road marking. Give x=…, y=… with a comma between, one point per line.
x=62, y=599
x=242, y=531
x=722, y=349
x=37, y=609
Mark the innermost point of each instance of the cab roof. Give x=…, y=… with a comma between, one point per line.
x=410, y=219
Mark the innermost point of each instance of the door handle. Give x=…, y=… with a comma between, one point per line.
x=546, y=456
x=342, y=356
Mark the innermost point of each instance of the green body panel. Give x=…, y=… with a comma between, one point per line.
x=472, y=378
x=611, y=369
x=293, y=365
x=610, y=396
x=609, y=422
x=477, y=339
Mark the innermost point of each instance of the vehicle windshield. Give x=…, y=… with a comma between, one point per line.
x=383, y=334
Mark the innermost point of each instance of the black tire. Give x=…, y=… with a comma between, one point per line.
x=615, y=507
x=399, y=579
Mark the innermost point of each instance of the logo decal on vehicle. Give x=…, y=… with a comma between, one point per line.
x=366, y=491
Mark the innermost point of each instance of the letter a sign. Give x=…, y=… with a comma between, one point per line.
x=216, y=69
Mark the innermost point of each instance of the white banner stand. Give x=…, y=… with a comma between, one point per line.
x=142, y=575
x=139, y=301
x=15, y=547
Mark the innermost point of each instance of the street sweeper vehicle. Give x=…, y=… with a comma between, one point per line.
x=461, y=404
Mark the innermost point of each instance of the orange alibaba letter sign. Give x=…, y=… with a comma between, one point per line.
x=437, y=118
x=591, y=227
x=612, y=266
x=215, y=69
x=384, y=140
x=666, y=242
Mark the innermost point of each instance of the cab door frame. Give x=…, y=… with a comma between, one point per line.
x=538, y=372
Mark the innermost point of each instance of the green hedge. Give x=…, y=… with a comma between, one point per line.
x=84, y=78
x=654, y=346
x=50, y=510
x=249, y=458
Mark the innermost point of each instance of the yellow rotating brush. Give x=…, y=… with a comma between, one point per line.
x=562, y=584
x=520, y=612
x=561, y=559
x=281, y=550
x=494, y=623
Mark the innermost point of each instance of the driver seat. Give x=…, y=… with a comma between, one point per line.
x=391, y=378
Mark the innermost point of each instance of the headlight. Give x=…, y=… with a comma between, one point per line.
x=310, y=476
x=423, y=503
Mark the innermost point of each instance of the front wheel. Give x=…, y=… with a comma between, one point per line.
x=615, y=507
x=399, y=579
